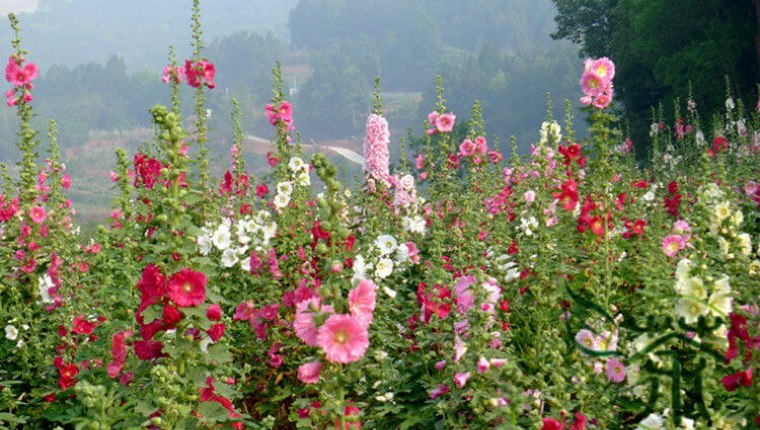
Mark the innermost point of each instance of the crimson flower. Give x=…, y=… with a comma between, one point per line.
x=187, y=288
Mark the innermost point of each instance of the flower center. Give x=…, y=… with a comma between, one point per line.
x=187, y=287
x=341, y=337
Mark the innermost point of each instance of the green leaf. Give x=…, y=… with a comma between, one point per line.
x=219, y=354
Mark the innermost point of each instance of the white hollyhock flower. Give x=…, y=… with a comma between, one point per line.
x=44, y=283
x=11, y=332
x=229, y=257
x=222, y=237
x=384, y=268
x=414, y=224
x=285, y=188
x=651, y=422
x=386, y=244
x=303, y=179
x=204, y=244
x=296, y=164
x=281, y=200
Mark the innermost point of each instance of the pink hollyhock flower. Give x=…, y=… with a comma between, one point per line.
x=467, y=148
x=604, y=68
x=681, y=227
x=615, y=371
x=66, y=181
x=361, y=301
x=483, y=365
x=343, y=339
x=440, y=365
x=498, y=362
x=438, y=391
x=445, y=123
x=118, y=352
x=17, y=75
x=309, y=373
x=604, y=99
x=419, y=162
x=37, y=214
x=187, y=288
x=459, y=349
x=530, y=196
x=465, y=299
x=591, y=84
x=671, y=244
x=304, y=325
x=586, y=339
x=461, y=378
x=376, y=152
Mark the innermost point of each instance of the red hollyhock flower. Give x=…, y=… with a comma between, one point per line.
x=118, y=352
x=187, y=288
x=216, y=331
x=68, y=373
x=82, y=326
x=214, y=312
x=148, y=349
x=152, y=285
x=552, y=424
x=741, y=378
x=171, y=317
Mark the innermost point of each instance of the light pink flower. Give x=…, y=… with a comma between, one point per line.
x=440, y=365
x=681, y=227
x=461, y=378
x=304, y=325
x=343, y=339
x=459, y=349
x=419, y=162
x=615, y=371
x=530, y=196
x=445, y=123
x=308, y=373
x=604, y=68
x=591, y=84
x=498, y=362
x=483, y=365
x=376, y=152
x=467, y=148
x=361, y=301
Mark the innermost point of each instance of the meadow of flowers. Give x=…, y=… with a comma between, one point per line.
x=569, y=288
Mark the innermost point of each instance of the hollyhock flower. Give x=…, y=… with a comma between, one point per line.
x=214, y=312
x=152, y=285
x=343, y=339
x=361, y=301
x=438, y=391
x=465, y=299
x=552, y=424
x=604, y=68
x=734, y=381
x=216, y=331
x=483, y=365
x=187, y=288
x=671, y=244
x=148, y=349
x=68, y=375
x=82, y=326
x=459, y=349
x=173, y=74
x=309, y=373
x=580, y=422
x=586, y=338
x=304, y=325
x=376, y=152
x=467, y=148
x=461, y=378
x=591, y=84
x=37, y=214
x=444, y=123
x=118, y=352
x=615, y=371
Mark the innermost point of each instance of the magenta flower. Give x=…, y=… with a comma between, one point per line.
x=309, y=373
x=438, y=391
x=343, y=339
x=483, y=365
x=615, y=371
x=671, y=244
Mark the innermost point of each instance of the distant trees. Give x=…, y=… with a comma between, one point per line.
x=660, y=47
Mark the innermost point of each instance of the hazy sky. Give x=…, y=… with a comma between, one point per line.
x=17, y=6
